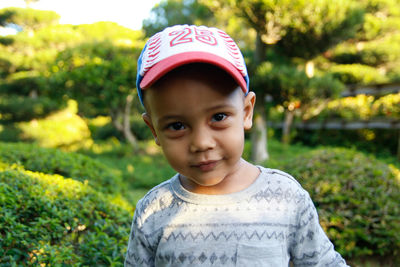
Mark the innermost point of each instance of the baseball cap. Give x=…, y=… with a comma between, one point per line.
x=184, y=44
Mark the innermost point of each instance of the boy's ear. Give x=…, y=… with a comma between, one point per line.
x=147, y=119
x=249, y=102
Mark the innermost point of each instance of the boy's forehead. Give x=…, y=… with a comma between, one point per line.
x=208, y=75
x=188, y=96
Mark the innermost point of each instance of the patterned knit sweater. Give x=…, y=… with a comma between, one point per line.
x=270, y=223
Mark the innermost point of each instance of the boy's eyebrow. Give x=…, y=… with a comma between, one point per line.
x=178, y=117
x=168, y=117
x=222, y=105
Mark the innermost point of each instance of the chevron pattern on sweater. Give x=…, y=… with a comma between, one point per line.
x=223, y=236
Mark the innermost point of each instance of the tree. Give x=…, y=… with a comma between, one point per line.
x=294, y=90
x=293, y=29
x=101, y=77
x=47, y=63
x=172, y=12
x=373, y=55
x=28, y=18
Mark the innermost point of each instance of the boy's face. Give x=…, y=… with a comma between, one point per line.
x=200, y=128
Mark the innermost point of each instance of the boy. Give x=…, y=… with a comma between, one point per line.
x=218, y=210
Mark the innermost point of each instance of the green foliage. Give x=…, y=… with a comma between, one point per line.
x=63, y=129
x=98, y=75
x=101, y=128
x=357, y=74
x=357, y=199
x=21, y=83
x=360, y=107
x=377, y=141
x=382, y=17
x=312, y=27
x=55, y=161
x=372, y=53
x=372, y=56
x=172, y=12
x=54, y=221
x=15, y=108
x=357, y=108
x=109, y=31
x=287, y=84
x=144, y=170
x=29, y=18
x=299, y=28
x=5, y=66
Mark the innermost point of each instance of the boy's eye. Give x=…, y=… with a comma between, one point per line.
x=176, y=126
x=219, y=117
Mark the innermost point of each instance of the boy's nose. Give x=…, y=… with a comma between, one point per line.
x=201, y=141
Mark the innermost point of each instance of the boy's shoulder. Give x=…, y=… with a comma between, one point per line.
x=156, y=198
x=280, y=176
x=278, y=185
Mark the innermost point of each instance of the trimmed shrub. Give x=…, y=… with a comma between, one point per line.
x=14, y=108
x=64, y=129
x=48, y=220
x=21, y=83
x=357, y=198
x=54, y=161
x=377, y=141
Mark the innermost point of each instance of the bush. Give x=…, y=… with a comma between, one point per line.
x=63, y=129
x=70, y=165
x=49, y=220
x=377, y=141
x=21, y=83
x=360, y=107
x=14, y=108
x=357, y=198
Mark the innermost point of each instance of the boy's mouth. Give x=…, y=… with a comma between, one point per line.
x=206, y=165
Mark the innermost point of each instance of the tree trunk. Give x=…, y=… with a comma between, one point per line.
x=124, y=127
x=259, y=152
x=261, y=49
x=127, y=124
x=115, y=115
x=398, y=147
x=287, y=124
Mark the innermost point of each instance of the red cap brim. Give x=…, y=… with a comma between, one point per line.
x=172, y=62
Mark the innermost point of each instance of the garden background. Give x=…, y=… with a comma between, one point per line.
x=75, y=155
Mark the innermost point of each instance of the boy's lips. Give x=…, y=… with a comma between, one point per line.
x=206, y=165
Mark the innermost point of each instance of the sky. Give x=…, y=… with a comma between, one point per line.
x=128, y=13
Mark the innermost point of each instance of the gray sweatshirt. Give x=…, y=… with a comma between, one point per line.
x=270, y=223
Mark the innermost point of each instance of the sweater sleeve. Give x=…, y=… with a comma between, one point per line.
x=139, y=251
x=310, y=245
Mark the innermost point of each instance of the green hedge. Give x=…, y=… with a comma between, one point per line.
x=376, y=141
x=54, y=161
x=15, y=108
x=48, y=220
x=357, y=198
